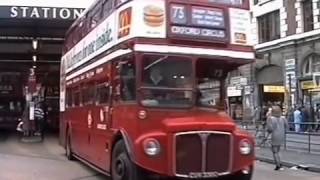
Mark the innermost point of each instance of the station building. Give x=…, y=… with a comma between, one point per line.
x=31, y=38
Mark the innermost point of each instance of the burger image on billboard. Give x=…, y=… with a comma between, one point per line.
x=241, y=38
x=153, y=15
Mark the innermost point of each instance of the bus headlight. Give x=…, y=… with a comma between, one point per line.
x=151, y=147
x=245, y=147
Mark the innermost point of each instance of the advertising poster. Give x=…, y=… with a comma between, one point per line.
x=149, y=19
x=240, y=26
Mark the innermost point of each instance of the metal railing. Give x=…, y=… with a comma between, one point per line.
x=307, y=140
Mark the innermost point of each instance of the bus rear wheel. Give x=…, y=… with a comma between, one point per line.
x=122, y=168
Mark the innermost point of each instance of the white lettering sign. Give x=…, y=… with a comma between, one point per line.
x=41, y=12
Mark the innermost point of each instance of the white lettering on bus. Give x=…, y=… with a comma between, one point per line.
x=93, y=46
x=198, y=32
x=14, y=12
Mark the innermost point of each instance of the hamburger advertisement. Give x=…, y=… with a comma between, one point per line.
x=149, y=19
x=153, y=16
x=239, y=26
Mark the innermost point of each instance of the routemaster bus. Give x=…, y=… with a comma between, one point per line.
x=143, y=89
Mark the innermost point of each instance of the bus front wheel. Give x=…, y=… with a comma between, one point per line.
x=122, y=168
x=240, y=176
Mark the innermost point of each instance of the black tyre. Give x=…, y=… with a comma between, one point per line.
x=122, y=168
x=240, y=176
x=68, y=148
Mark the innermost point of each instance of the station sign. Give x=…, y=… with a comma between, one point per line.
x=29, y=12
x=196, y=22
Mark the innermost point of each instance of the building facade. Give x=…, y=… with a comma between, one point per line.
x=286, y=35
x=286, y=72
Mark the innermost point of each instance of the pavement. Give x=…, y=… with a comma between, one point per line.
x=291, y=159
x=297, y=154
x=46, y=161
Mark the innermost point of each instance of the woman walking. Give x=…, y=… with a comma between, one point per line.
x=276, y=127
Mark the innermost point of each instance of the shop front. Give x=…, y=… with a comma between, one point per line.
x=235, y=102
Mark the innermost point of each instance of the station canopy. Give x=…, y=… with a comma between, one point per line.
x=32, y=31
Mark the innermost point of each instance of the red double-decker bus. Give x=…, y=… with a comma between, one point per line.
x=143, y=89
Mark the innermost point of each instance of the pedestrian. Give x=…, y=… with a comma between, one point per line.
x=39, y=118
x=269, y=113
x=256, y=116
x=305, y=119
x=297, y=118
x=276, y=127
x=317, y=117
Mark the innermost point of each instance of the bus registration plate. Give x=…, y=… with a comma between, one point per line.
x=203, y=175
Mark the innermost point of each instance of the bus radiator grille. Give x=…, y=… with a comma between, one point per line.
x=202, y=152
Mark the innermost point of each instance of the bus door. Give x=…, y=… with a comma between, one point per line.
x=101, y=133
x=86, y=115
x=79, y=125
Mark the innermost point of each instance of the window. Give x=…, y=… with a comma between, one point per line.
x=95, y=17
x=120, y=2
x=167, y=71
x=69, y=98
x=128, y=80
x=88, y=94
x=76, y=98
x=228, y=2
x=103, y=93
x=311, y=65
x=107, y=7
x=307, y=15
x=167, y=81
x=269, y=27
x=209, y=83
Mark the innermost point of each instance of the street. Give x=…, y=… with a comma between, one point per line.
x=46, y=161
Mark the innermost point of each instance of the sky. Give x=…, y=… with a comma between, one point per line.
x=48, y=3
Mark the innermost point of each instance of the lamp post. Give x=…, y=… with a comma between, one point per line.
x=290, y=91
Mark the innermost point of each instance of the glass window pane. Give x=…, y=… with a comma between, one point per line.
x=316, y=64
x=166, y=98
x=167, y=71
x=103, y=91
x=128, y=80
x=76, y=98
